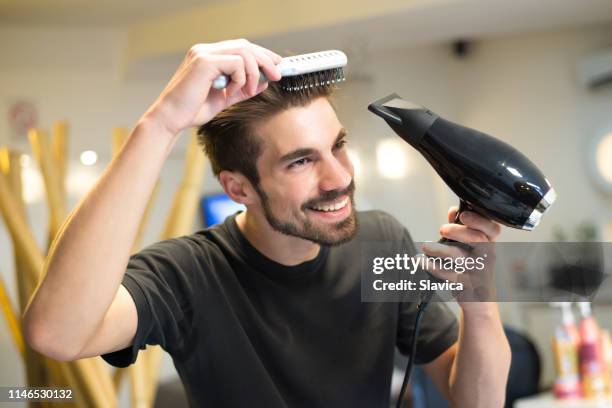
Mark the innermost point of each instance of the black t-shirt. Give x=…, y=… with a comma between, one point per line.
x=244, y=330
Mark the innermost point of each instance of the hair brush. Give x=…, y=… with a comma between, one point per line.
x=305, y=71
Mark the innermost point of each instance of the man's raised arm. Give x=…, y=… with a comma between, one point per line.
x=79, y=307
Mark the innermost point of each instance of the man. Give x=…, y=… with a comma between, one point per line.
x=263, y=310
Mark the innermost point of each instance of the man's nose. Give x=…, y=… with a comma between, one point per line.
x=334, y=176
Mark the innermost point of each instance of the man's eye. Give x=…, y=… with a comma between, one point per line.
x=299, y=162
x=340, y=144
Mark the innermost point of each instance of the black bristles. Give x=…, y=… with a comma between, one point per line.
x=314, y=79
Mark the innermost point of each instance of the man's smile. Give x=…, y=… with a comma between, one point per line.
x=333, y=210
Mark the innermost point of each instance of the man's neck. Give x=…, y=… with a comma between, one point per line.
x=281, y=248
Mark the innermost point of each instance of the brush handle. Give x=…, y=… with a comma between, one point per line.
x=223, y=80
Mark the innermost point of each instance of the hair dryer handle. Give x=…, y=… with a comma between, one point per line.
x=463, y=206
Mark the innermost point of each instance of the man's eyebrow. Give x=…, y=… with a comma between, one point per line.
x=341, y=134
x=305, y=151
x=296, y=154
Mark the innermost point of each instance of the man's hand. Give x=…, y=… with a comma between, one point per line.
x=189, y=99
x=478, y=283
x=474, y=372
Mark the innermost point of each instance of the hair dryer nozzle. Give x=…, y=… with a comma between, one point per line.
x=409, y=120
x=489, y=176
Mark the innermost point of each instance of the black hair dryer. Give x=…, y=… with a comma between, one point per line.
x=490, y=177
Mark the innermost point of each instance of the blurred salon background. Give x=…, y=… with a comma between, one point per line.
x=535, y=74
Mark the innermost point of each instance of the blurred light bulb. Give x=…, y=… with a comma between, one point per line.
x=355, y=160
x=80, y=180
x=24, y=160
x=33, y=186
x=604, y=157
x=89, y=157
x=391, y=158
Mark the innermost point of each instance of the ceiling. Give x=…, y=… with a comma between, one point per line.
x=159, y=30
x=87, y=13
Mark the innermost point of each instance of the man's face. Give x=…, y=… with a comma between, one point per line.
x=306, y=178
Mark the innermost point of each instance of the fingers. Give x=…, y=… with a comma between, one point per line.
x=189, y=99
x=232, y=66
x=267, y=61
x=462, y=233
x=475, y=228
x=452, y=213
x=255, y=58
x=476, y=221
x=251, y=71
x=276, y=59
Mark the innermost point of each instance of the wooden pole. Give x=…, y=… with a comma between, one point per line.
x=59, y=151
x=28, y=248
x=37, y=371
x=56, y=202
x=12, y=321
x=19, y=230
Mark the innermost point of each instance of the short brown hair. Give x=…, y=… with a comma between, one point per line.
x=228, y=139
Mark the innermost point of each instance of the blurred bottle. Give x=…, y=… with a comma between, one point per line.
x=565, y=348
x=592, y=370
x=607, y=355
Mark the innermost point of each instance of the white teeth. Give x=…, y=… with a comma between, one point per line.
x=332, y=207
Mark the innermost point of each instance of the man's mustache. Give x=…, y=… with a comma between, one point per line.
x=331, y=195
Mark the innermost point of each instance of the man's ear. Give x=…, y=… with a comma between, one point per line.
x=237, y=187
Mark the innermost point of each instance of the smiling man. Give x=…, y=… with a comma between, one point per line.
x=264, y=309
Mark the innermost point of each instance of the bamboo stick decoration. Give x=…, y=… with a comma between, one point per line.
x=118, y=377
x=187, y=197
x=59, y=151
x=141, y=398
x=11, y=318
x=118, y=138
x=23, y=239
x=89, y=378
x=37, y=370
x=13, y=322
x=180, y=222
x=20, y=232
x=53, y=184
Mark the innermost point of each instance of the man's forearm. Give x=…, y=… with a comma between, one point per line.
x=87, y=261
x=480, y=370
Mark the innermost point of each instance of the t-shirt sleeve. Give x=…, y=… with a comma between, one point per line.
x=159, y=279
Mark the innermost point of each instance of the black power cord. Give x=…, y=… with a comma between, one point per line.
x=421, y=307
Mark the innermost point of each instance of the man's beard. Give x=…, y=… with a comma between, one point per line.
x=329, y=234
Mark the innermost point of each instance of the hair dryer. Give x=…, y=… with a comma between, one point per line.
x=489, y=176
